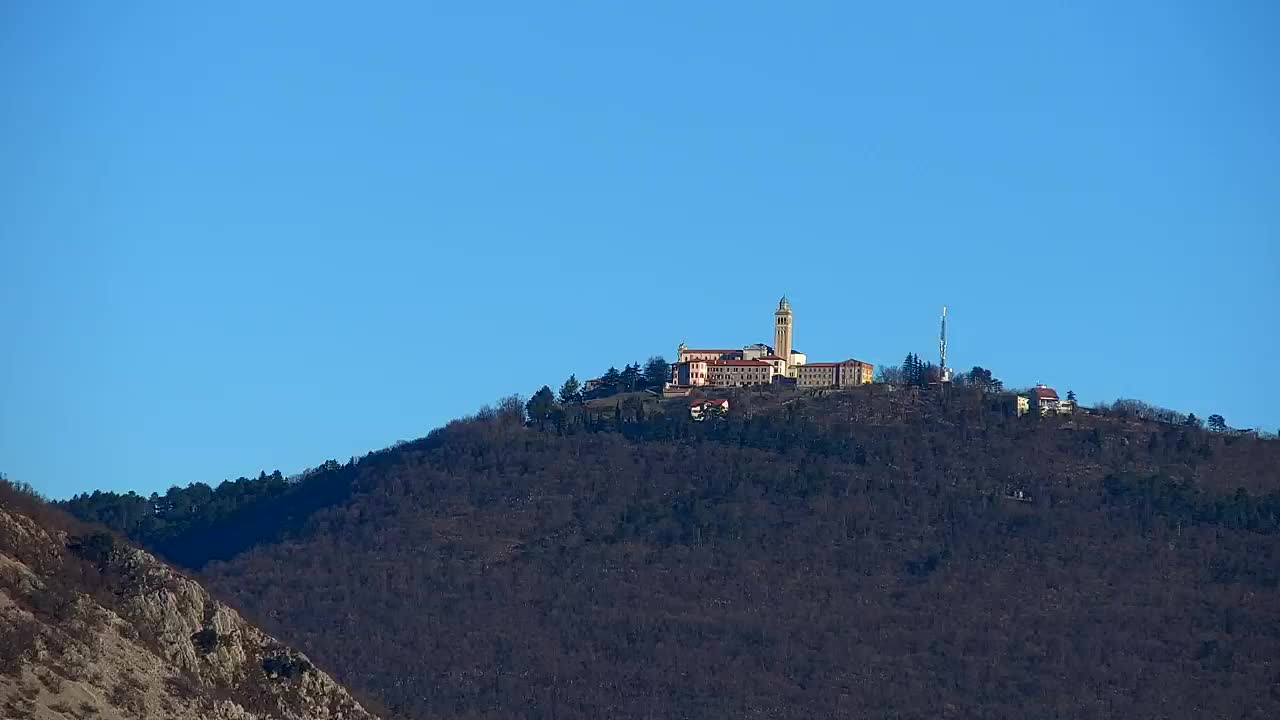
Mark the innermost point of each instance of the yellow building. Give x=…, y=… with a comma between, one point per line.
x=849, y=373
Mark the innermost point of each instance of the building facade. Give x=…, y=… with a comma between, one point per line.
x=691, y=373
x=738, y=373
x=849, y=373
x=779, y=365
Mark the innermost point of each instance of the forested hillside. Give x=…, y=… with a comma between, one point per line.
x=874, y=553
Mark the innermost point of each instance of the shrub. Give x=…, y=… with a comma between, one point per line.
x=285, y=665
x=51, y=680
x=206, y=641
x=17, y=644
x=183, y=685
x=98, y=548
x=127, y=695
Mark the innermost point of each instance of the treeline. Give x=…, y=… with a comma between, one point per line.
x=655, y=373
x=158, y=518
x=193, y=525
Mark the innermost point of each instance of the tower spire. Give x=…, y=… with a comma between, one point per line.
x=782, y=330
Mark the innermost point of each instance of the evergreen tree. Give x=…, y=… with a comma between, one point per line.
x=982, y=377
x=630, y=377
x=571, y=391
x=910, y=369
x=1071, y=395
x=657, y=371
x=540, y=406
x=610, y=381
x=1217, y=423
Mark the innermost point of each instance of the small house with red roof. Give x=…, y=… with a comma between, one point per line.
x=1044, y=400
x=700, y=408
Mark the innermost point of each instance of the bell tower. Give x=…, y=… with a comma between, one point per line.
x=782, y=330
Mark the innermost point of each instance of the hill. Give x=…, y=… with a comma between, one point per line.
x=92, y=628
x=871, y=553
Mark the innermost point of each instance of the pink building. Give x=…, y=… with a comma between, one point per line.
x=690, y=374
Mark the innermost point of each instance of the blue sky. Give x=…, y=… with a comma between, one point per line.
x=252, y=236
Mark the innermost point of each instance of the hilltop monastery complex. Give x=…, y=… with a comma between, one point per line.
x=762, y=365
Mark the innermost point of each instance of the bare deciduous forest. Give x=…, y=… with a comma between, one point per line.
x=863, y=554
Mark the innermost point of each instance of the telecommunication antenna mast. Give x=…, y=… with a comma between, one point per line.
x=943, y=373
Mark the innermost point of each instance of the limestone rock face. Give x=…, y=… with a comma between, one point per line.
x=93, y=628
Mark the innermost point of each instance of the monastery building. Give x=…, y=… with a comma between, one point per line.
x=761, y=364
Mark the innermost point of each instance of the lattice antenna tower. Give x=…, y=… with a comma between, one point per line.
x=942, y=347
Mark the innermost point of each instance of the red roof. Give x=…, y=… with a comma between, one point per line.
x=740, y=363
x=708, y=401
x=1044, y=392
x=819, y=364
x=770, y=357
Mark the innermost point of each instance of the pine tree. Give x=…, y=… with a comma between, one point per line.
x=657, y=371
x=540, y=406
x=571, y=391
x=630, y=376
x=610, y=381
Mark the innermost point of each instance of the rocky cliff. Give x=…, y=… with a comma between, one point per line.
x=93, y=628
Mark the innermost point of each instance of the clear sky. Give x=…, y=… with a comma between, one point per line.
x=247, y=236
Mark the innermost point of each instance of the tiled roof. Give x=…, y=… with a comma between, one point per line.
x=739, y=363
x=1043, y=392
